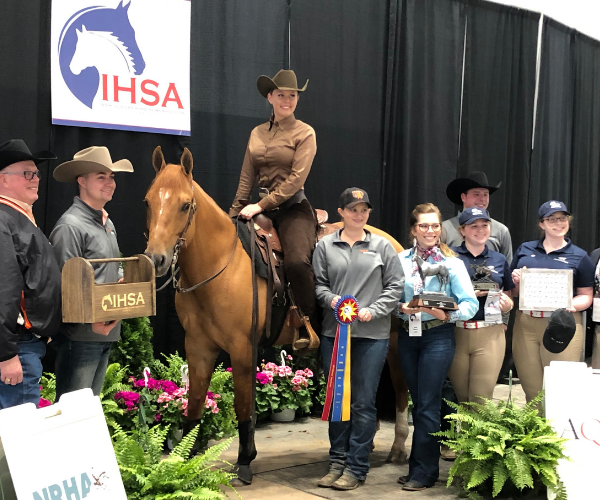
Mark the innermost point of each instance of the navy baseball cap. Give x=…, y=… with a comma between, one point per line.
x=559, y=332
x=470, y=215
x=353, y=196
x=548, y=208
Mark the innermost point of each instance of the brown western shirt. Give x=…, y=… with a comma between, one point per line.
x=279, y=154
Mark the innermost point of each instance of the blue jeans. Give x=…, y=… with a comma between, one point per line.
x=351, y=441
x=425, y=362
x=80, y=365
x=31, y=352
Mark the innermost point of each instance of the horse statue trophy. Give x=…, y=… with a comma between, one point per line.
x=437, y=299
x=225, y=304
x=482, y=277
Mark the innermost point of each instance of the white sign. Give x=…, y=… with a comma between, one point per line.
x=572, y=404
x=121, y=64
x=545, y=289
x=61, y=451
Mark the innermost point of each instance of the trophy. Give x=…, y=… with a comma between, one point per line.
x=433, y=299
x=482, y=278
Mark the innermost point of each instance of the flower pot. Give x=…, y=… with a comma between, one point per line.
x=285, y=415
x=175, y=438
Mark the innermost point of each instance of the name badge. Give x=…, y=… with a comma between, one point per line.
x=414, y=325
x=493, y=315
x=596, y=310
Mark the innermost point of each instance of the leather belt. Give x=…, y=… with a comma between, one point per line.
x=537, y=314
x=425, y=325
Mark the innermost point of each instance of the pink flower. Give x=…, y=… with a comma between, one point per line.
x=157, y=417
x=289, y=357
x=210, y=403
x=308, y=373
x=43, y=403
x=229, y=369
x=263, y=378
x=274, y=386
x=271, y=367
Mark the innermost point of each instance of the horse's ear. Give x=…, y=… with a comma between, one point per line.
x=158, y=160
x=187, y=162
x=123, y=6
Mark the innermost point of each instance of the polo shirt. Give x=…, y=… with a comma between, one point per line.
x=532, y=254
x=494, y=261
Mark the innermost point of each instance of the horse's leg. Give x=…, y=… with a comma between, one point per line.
x=398, y=454
x=244, y=375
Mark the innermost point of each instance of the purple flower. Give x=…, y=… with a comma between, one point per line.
x=263, y=378
x=168, y=386
x=157, y=417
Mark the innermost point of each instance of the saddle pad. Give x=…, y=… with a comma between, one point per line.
x=244, y=234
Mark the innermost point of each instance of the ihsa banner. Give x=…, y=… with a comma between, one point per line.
x=121, y=64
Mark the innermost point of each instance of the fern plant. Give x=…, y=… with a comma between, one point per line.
x=113, y=383
x=170, y=370
x=48, y=387
x=147, y=476
x=503, y=450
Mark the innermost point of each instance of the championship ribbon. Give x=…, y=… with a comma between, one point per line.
x=338, y=382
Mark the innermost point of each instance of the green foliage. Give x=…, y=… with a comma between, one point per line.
x=48, y=387
x=169, y=371
x=146, y=476
x=135, y=347
x=503, y=450
x=114, y=381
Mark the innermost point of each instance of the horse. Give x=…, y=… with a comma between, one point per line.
x=439, y=270
x=217, y=315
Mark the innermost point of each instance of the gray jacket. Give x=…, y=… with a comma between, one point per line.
x=499, y=241
x=369, y=270
x=80, y=232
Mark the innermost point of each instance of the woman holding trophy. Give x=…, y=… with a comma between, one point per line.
x=552, y=251
x=480, y=342
x=437, y=293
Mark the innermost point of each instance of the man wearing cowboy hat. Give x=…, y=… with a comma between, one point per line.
x=30, y=287
x=85, y=230
x=473, y=191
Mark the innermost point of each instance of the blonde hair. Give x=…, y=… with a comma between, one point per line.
x=429, y=208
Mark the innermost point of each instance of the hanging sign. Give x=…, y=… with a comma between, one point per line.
x=121, y=64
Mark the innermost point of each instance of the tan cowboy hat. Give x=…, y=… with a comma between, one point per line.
x=285, y=79
x=93, y=159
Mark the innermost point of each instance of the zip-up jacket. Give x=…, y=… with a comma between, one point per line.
x=30, y=285
x=81, y=232
x=369, y=270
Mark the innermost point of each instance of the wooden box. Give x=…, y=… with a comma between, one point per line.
x=85, y=301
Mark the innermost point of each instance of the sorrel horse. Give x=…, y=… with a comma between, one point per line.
x=217, y=315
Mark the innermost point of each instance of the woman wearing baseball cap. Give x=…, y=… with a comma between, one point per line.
x=480, y=341
x=354, y=261
x=553, y=251
x=278, y=158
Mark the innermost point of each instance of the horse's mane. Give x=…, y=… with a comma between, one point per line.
x=117, y=42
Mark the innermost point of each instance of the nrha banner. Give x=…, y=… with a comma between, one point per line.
x=121, y=64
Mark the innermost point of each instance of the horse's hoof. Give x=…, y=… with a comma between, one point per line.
x=244, y=475
x=238, y=483
x=397, y=457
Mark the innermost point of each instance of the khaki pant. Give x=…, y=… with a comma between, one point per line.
x=477, y=362
x=531, y=356
x=596, y=351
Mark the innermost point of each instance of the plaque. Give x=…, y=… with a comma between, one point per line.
x=437, y=299
x=545, y=289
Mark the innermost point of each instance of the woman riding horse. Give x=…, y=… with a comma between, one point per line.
x=280, y=153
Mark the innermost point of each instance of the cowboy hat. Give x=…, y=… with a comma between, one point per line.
x=463, y=184
x=285, y=79
x=93, y=159
x=16, y=150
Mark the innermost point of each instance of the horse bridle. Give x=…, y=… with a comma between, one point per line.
x=177, y=248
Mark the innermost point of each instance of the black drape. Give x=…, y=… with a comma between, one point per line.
x=551, y=156
x=340, y=45
x=497, y=111
x=423, y=107
x=585, y=152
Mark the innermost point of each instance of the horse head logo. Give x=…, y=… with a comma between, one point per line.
x=94, y=40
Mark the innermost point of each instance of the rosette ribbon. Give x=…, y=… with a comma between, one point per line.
x=337, y=398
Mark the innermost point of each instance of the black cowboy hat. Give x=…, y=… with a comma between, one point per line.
x=285, y=79
x=16, y=150
x=463, y=184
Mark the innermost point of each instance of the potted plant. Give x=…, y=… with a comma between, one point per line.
x=280, y=391
x=503, y=450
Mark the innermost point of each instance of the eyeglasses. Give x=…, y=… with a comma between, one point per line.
x=554, y=220
x=28, y=174
x=426, y=227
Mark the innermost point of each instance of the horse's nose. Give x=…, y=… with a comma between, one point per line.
x=158, y=259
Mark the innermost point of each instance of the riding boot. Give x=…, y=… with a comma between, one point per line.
x=247, y=451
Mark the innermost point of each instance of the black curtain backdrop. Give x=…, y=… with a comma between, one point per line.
x=551, y=156
x=497, y=111
x=585, y=152
x=424, y=76
x=340, y=45
x=385, y=98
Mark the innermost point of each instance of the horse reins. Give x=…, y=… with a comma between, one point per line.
x=177, y=248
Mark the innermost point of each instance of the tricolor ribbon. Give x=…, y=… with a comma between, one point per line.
x=337, y=398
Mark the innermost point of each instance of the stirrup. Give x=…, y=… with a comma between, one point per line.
x=311, y=343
